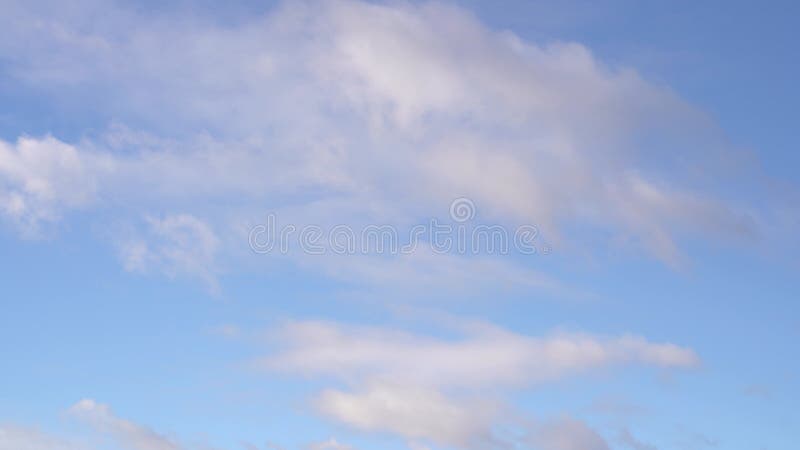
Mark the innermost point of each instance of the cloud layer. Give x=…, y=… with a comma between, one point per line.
x=360, y=112
x=435, y=388
x=483, y=356
x=366, y=104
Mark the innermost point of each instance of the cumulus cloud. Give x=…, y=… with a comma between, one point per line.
x=42, y=178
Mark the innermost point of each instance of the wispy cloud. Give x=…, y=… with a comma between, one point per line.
x=483, y=355
x=174, y=245
x=408, y=105
x=18, y=438
x=125, y=433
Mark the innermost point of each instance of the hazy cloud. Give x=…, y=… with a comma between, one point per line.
x=175, y=245
x=124, y=432
x=404, y=104
x=481, y=356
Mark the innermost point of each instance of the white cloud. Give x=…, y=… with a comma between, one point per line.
x=393, y=110
x=536, y=133
x=408, y=105
x=413, y=413
x=440, y=389
x=41, y=178
x=127, y=434
x=482, y=355
x=425, y=414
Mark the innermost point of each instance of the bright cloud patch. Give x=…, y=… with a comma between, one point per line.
x=428, y=388
x=370, y=104
x=42, y=178
x=413, y=413
x=483, y=356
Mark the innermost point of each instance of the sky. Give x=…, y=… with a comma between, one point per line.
x=368, y=225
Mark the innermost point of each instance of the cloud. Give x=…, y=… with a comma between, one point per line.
x=567, y=434
x=413, y=413
x=425, y=414
x=178, y=244
x=17, y=438
x=442, y=389
x=483, y=355
x=108, y=431
x=42, y=178
x=424, y=273
x=330, y=444
x=124, y=433
x=127, y=434
x=425, y=388
x=342, y=111
x=401, y=104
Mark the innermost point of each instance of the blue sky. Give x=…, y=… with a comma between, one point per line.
x=145, y=145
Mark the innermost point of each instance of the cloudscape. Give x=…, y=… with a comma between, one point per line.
x=424, y=225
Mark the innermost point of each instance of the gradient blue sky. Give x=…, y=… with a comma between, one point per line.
x=651, y=144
